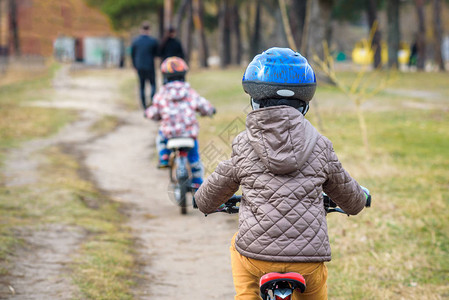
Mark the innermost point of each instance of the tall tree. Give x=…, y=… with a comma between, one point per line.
x=14, y=27
x=189, y=31
x=421, y=38
x=180, y=14
x=125, y=14
x=235, y=21
x=297, y=15
x=318, y=21
x=198, y=20
x=438, y=33
x=287, y=25
x=255, y=44
x=168, y=14
x=224, y=25
x=1, y=29
x=373, y=21
x=185, y=32
x=393, y=32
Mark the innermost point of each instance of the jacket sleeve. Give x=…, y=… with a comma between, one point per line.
x=153, y=112
x=201, y=105
x=219, y=186
x=342, y=188
x=133, y=53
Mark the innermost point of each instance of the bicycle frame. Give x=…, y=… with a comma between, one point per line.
x=180, y=170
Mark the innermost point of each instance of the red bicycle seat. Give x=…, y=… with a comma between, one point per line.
x=296, y=280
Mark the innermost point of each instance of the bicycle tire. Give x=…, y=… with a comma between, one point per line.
x=183, y=197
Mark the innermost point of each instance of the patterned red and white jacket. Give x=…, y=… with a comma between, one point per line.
x=175, y=105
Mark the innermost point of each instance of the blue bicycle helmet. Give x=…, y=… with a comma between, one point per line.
x=280, y=73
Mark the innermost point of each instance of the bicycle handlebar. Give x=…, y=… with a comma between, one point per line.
x=232, y=205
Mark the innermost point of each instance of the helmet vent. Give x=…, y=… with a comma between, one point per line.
x=285, y=93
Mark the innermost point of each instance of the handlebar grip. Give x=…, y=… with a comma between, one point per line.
x=368, y=201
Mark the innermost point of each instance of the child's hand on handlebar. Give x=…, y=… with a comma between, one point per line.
x=367, y=195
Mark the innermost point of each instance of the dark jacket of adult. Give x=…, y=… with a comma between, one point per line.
x=171, y=47
x=143, y=51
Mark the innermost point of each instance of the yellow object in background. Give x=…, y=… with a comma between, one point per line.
x=362, y=53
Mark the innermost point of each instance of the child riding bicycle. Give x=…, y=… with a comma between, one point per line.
x=283, y=165
x=175, y=106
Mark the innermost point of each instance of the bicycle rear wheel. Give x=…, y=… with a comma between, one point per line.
x=183, y=197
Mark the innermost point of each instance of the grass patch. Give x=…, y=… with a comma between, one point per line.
x=398, y=248
x=20, y=122
x=103, y=268
x=105, y=124
x=128, y=90
x=17, y=124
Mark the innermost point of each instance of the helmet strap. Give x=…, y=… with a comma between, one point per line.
x=254, y=104
x=304, y=109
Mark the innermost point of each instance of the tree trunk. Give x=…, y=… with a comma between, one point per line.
x=235, y=21
x=160, y=16
x=278, y=35
x=14, y=27
x=184, y=26
x=393, y=32
x=318, y=22
x=182, y=9
x=225, y=33
x=371, y=10
x=1, y=36
x=255, y=39
x=421, y=39
x=297, y=20
x=168, y=14
x=438, y=33
x=198, y=22
x=248, y=27
x=188, y=40
x=287, y=26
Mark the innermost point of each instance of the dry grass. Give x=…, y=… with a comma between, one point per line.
x=103, y=268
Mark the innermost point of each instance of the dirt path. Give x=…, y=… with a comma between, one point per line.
x=184, y=255
x=181, y=255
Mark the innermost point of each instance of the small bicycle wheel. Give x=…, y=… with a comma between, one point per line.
x=183, y=197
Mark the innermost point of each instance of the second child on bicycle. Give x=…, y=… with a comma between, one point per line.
x=175, y=106
x=283, y=165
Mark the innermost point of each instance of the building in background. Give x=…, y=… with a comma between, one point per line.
x=60, y=28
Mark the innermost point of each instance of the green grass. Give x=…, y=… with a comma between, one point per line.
x=104, y=266
x=398, y=248
x=19, y=122
x=105, y=124
x=405, y=234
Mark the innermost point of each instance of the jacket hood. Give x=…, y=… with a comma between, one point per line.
x=282, y=138
x=176, y=90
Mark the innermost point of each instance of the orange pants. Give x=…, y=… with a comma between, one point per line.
x=247, y=272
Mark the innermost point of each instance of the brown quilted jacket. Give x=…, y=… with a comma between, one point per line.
x=283, y=165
